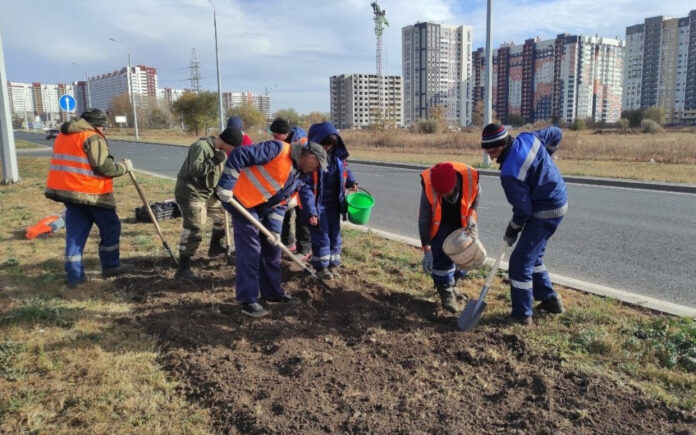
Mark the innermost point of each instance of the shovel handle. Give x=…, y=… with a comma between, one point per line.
x=152, y=216
x=491, y=274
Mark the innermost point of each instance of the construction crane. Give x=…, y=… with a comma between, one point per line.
x=380, y=21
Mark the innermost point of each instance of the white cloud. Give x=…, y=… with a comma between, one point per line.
x=295, y=45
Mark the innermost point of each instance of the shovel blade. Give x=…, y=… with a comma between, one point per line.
x=472, y=313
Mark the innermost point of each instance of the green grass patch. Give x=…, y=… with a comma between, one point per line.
x=39, y=310
x=23, y=144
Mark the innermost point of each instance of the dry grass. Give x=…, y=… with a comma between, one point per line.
x=583, y=153
x=22, y=144
x=656, y=353
x=68, y=361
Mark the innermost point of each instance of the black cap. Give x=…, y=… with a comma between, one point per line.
x=95, y=117
x=279, y=125
x=231, y=136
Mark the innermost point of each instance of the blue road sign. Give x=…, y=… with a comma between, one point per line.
x=67, y=103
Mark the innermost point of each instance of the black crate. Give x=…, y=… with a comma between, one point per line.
x=162, y=210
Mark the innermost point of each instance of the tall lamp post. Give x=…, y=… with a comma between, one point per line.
x=217, y=64
x=130, y=90
x=89, y=97
x=488, y=103
x=10, y=171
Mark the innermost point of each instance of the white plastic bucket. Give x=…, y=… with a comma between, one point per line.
x=465, y=249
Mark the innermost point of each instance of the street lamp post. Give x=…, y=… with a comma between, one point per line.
x=488, y=103
x=130, y=90
x=217, y=64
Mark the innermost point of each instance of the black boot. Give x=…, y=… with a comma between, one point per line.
x=184, y=271
x=216, y=246
x=551, y=306
x=447, y=298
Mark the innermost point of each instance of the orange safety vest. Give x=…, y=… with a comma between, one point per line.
x=470, y=178
x=257, y=184
x=70, y=169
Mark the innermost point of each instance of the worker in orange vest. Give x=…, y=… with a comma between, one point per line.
x=261, y=178
x=448, y=202
x=80, y=176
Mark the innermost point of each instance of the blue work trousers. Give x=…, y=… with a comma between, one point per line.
x=445, y=271
x=257, y=260
x=78, y=223
x=326, y=237
x=529, y=280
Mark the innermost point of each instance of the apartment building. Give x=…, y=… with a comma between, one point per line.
x=661, y=67
x=166, y=96
x=261, y=102
x=103, y=88
x=571, y=76
x=437, y=71
x=358, y=100
x=21, y=99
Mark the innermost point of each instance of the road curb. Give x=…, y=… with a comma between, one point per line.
x=576, y=284
x=594, y=181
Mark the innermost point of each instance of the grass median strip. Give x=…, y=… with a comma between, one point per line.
x=81, y=359
x=70, y=359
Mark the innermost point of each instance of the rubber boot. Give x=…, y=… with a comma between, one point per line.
x=184, y=271
x=447, y=298
x=216, y=246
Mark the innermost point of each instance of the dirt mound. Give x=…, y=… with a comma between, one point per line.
x=364, y=359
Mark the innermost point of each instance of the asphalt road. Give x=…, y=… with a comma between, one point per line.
x=641, y=241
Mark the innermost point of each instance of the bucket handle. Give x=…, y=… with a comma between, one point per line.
x=364, y=190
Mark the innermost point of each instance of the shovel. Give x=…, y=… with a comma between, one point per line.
x=152, y=216
x=228, y=241
x=475, y=307
x=274, y=241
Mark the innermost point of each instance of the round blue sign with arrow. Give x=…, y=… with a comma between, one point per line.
x=67, y=103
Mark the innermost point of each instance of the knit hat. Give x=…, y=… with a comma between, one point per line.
x=319, y=152
x=279, y=125
x=231, y=136
x=235, y=121
x=443, y=177
x=493, y=136
x=95, y=117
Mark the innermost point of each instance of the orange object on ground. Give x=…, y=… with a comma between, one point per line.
x=45, y=227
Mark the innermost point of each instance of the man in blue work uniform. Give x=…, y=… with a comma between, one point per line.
x=329, y=189
x=534, y=187
x=261, y=177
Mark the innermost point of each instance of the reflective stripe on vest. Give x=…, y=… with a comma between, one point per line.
x=257, y=184
x=470, y=179
x=70, y=169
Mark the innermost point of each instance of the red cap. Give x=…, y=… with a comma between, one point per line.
x=443, y=177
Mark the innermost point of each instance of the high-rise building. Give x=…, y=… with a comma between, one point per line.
x=167, y=96
x=437, y=71
x=565, y=78
x=261, y=102
x=661, y=67
x=355, y=100
x=21, y=99
x=103, y=88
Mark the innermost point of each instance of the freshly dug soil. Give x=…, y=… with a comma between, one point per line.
x=364, y=359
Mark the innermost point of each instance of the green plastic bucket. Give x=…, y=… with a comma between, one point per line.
x=359, y=206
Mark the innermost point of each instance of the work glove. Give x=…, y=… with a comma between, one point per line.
x=428, y=262
x=511, y=233
x=225, y=195
x=471, y=225
x=219, y=156
x=128, y=164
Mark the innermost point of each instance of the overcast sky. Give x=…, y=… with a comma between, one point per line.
x=291, y=47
